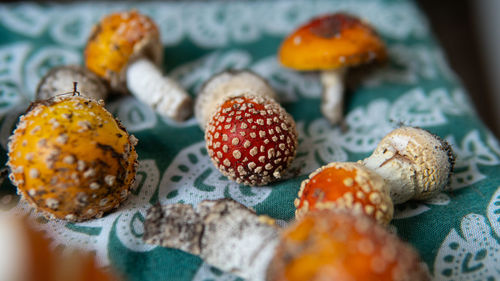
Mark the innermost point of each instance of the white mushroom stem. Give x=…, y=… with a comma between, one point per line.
x=228, y=84
x=333, y=94
x=414, y=163
x=223, y=233
x=164, y=95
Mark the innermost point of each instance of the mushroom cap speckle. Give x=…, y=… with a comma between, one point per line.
x=336, y=245
x=119, y=39
x=251, y=140
x=345, y=186
x=60, y=80
x=330, y=42
x=70, y=159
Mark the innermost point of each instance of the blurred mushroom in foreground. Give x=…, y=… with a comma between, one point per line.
x=330, y=44
x=26, y=256
x=326, y=245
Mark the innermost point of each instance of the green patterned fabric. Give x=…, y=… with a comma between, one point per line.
x=457, y=233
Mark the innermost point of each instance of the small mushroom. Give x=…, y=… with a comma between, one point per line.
x=71, y=159
x=226, y=84
x=330, y=44
x=27, y=255
x=251, y=139
x=61, y=79
x=326, y=245
x=125, y=50
x=409, y=163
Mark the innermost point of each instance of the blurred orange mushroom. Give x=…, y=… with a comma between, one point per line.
x=332, y=43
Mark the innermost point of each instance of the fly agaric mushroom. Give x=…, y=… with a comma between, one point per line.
x=27, y=256
x=61, y=79
x=125, y=49
x=70, y=159
x=326, y=245
x=250, y=138
x=408, y=163
x=332, y=43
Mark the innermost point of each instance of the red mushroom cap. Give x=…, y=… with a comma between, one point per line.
x=251, y=140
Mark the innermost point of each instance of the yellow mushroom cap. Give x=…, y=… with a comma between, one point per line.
x=71, y=159
x=330, y=42
x=119, y=39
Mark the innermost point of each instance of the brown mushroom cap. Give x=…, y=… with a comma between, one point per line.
x=333, y=245
x=60, y=80
x=119, y=39
x=330, y=42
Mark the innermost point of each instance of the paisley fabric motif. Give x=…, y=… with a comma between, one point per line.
x=456, y=232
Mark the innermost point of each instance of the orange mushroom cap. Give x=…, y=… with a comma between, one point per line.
x=330, y=42
x=345, y=186
x=335, y=245
x=118, y=39
x=71, y=159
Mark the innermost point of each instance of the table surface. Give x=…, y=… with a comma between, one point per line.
x=457, y=233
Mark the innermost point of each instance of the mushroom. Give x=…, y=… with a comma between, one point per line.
x=250, y=138
x=326, y=245
x=408, y=163
x=229, y=83
x=27, y=256
x=331, y=43
x=61, y=79
x=71, y=159
x=125, y=49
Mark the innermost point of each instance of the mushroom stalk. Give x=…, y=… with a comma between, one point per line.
x=167, y=97
x=224, y=233
x=333, y=94
x=414, y=163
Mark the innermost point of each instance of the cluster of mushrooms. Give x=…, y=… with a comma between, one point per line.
x=72, y=160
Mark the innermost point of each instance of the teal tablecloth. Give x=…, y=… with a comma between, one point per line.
x=457, y=233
